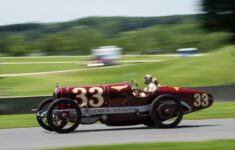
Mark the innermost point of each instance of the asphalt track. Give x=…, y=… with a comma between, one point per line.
x=98, y=134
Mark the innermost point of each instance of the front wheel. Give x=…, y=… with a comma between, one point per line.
x=166, y=112
x=64, y=110
x=41, y=113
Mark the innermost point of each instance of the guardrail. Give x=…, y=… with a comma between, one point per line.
x=24, y=105
x=19, y=105
x=220, y=93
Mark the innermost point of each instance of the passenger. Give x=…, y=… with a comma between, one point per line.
x=155, y=81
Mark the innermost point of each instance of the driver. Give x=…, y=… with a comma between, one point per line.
x=150, y=89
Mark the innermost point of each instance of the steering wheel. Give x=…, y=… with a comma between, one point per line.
x=135, y=87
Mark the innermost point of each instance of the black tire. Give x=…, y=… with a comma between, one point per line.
x=61, y=129
x=160, y=102
x=43, y=106
x=150, y=123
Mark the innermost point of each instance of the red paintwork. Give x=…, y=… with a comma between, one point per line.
x=124, y=97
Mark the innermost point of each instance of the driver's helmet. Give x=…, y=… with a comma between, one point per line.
x=148, y=77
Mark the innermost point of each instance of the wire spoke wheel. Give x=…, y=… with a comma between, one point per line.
x=41, y=113
x=166, y=112
x=64, y=115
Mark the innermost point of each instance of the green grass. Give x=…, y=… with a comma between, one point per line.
x=202, y=145
x=47, y=66
x=30, y=68
x=213, y=69
x=216, y=111
x=78, y=58
x=18, y=121
x=44, y=59
x=148, y=57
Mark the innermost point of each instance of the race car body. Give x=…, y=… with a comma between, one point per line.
x=115, y=104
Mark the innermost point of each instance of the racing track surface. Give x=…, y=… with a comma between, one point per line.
x=97, y=134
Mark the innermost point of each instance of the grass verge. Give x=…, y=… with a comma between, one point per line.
x=213, y=69
x=202, y=145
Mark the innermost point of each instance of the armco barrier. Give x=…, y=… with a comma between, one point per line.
x=24, y=105
x=19, y=105
x=220, y=93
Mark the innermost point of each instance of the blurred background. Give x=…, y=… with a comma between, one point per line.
x=185, y=43
x=182, y=43
x=204, y=24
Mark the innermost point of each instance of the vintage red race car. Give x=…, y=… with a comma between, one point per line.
x=115, y=105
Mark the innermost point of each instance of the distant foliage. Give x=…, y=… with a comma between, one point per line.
x=133, y=34
x=21, y=27
x=219, y=15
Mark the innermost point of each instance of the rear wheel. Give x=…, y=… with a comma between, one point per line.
x=61, y=111
x=166, y=112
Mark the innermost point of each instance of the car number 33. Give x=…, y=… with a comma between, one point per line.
x=201, y=100
x=96, y=99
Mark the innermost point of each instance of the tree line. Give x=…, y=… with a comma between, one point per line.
x=133, y=34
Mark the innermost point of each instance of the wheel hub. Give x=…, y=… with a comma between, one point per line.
x=165, y=111
x=64, y=115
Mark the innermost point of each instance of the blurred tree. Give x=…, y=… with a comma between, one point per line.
x=133, y=34
x=51, y=44
x=80, y=40
x=219, y=15
x=20, y=27
x=76, y=40
x=171, y=37
x=15, y=45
